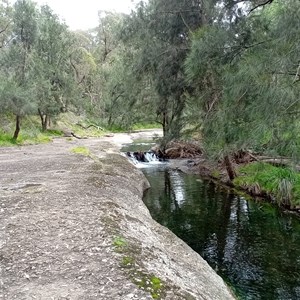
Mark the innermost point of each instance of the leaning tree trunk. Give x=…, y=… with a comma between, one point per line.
x=18, y=127
x=229, y=167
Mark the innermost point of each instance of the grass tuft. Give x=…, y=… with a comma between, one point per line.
x=81, y=150
x=6, y=140
x=27, y=138
x=140, y=126
x=280, y=182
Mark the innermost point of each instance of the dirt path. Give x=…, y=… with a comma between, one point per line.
x=74, y=227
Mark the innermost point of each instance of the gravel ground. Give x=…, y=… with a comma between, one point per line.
x=74, y=227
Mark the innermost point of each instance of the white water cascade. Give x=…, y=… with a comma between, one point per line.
x=143, y=159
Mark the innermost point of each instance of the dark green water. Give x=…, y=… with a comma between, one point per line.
x=253, y=246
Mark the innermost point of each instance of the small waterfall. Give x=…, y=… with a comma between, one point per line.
x=151, y=157
x=143, y=159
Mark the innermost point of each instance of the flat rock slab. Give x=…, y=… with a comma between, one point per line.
x=75, y=227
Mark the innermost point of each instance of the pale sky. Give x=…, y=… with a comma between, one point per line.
x=83, y=14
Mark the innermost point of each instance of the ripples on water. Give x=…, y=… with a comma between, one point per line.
x=253, y=246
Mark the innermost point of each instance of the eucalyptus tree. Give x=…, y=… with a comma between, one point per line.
x=92, y=59
x=108, y=83
x=18, y=84
x=5, y=37
x=107, y=33
x=5, y=23
x=82, y=58
x=84, y=65
x=159, y=32
x=254, y=63
x=56, y=82
x=126, y=100
x=109, y=86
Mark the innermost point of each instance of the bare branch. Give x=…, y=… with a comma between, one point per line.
x=245, y=47
x=297, y=76
x=5, y=28
x=3, y=43
x=260, y=5
x=185, y=23
x=285, y=73
x=176, y=12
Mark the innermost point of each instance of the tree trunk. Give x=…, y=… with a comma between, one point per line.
x=45, y=123
x=18, y=127
x=165, y=124
x=229, y=167
x=44, y=120
x=109, y=122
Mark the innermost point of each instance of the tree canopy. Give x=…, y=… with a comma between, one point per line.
x=227, y=70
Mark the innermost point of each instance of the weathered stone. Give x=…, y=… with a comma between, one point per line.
x=74, y=222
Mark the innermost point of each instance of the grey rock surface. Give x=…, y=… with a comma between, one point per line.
x=75, y=227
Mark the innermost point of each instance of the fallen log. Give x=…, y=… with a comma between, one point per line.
x=72, y=134
x=89, y=126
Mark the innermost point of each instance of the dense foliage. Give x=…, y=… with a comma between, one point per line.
x=253, y=65
x=227, y=70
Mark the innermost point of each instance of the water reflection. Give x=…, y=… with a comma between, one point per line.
x=251, y=245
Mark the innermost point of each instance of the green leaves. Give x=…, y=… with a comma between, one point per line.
x=25, y=24
x=36, y=71
x=55, y=81
x=159, y=33
x=244, y=75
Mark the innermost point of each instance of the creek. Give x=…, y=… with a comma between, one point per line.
x=252, y=245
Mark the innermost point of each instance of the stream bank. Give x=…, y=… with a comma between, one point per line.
x=264, y=181
x=251, y=244
x=73, y=226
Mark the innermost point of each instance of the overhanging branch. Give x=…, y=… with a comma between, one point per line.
x=260, y=5
x=297, y=76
